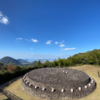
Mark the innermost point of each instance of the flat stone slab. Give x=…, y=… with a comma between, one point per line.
x=58, y=83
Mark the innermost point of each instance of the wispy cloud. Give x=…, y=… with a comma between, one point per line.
x=27, y=40
x=19, y=38
x=3, y=19
x=34, y=40
x=16, y=41
x=48, y=42
x=59, y=42
x=69, y=48
x=31, y=48
x=62, y=45
x=1, y=14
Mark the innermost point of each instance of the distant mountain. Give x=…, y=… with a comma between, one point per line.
x=30, y=64
x=42, y=60
x=23, y=61
x=6, y=60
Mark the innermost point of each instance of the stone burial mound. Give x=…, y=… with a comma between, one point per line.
x=58, y=83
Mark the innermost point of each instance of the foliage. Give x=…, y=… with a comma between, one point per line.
x=47, y=64
x=55, y=63
x=38, y=63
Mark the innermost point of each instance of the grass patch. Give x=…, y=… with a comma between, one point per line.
x=16, y=89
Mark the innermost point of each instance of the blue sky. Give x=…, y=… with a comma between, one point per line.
x=48, y=29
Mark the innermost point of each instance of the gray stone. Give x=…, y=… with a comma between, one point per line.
x=54, y=80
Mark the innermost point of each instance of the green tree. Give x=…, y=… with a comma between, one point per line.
x=39, y=63
x=10, y=64
x=46, y=64
x=1, y=64
x=60, y=62
x=55, y=63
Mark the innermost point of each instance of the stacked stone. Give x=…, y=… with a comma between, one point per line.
x=36, y=83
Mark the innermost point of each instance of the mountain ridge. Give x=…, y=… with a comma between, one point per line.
x=6, y=60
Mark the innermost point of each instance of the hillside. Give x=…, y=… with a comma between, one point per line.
x=6, y=60
x=89, y=57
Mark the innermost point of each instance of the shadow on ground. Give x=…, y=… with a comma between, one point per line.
x=7, y=99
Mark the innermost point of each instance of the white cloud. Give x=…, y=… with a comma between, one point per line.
x=3, y=19
x=62, y=45
x=19, y=38
x=69, y=48
x=31, y=48
x=34, y=40
x=59, y=42
x=56, y=42
x=48, y=42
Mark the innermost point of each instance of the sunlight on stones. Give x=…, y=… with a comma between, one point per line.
x=36, y=87
x=53, y=89
x=72, y=90
x=92, y=82
x=89, y=84
x=62, y=90
x=27, y=82
x=43, y=89
x=30, y=84
x=79, y=88
x=85, y=87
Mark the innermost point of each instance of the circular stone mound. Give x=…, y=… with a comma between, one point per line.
x=58, y=83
